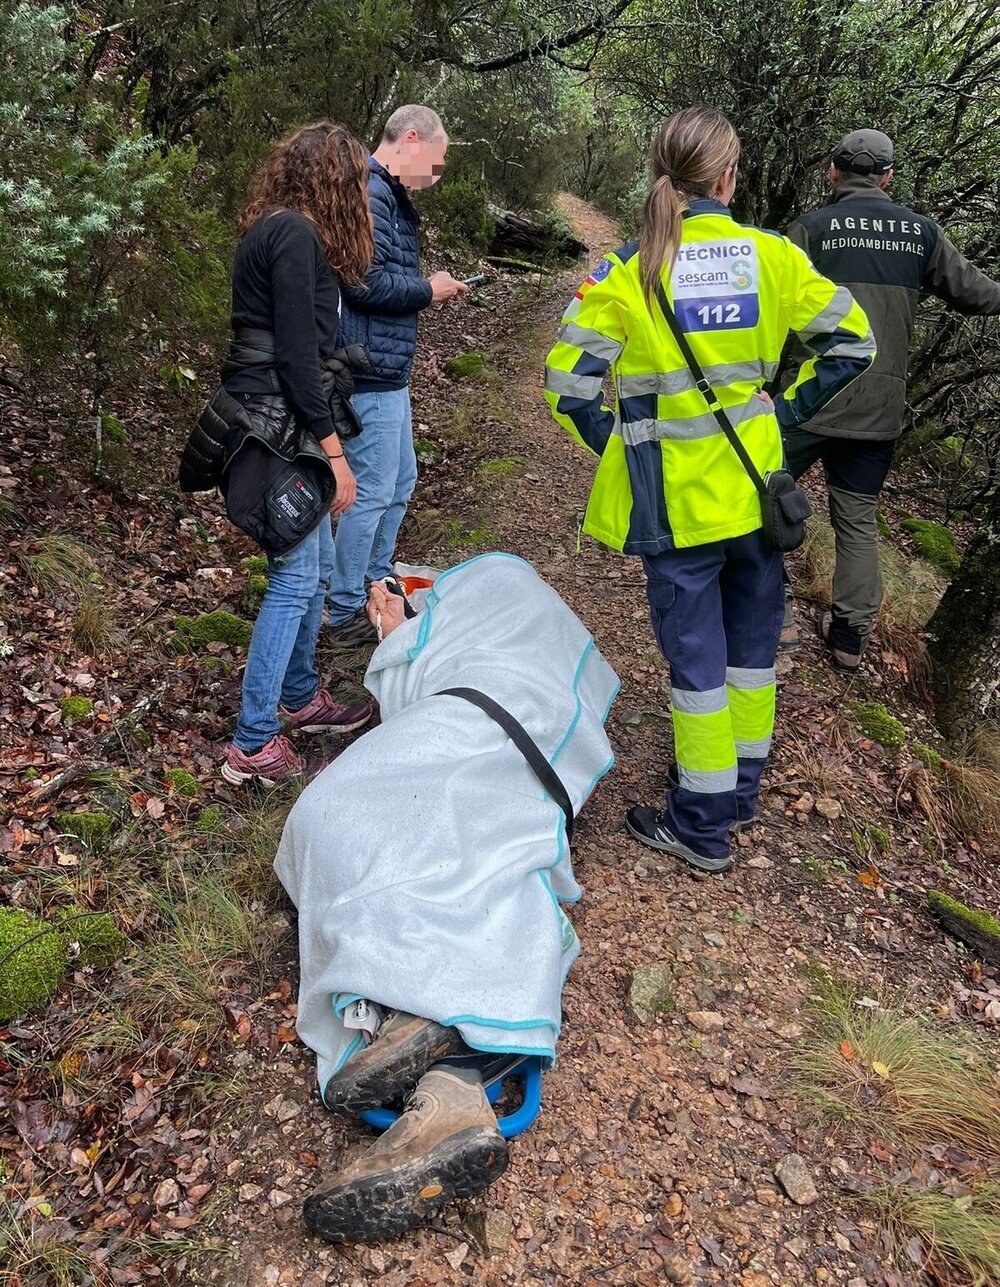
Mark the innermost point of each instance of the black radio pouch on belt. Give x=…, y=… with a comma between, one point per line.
x=784, y=507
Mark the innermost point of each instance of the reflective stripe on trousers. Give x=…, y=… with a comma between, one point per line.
x=716, y=611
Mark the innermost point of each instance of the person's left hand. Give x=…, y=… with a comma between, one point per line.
x=382, y=602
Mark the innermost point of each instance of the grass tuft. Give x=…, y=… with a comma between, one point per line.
x=892, y=1075
x=960, y=1233
x=58, y=564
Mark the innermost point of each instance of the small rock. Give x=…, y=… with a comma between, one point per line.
x=760, y=861
x=498, y=1230
x=793, y=1176
x=271, y=1275
x=651, y=992
x=288, y=1109
x=279, y=1198
x=706, y=1020
x=790, y=1031
x=719, y=1077
x=804, y=804
x=843, y=1244
x=455, y=1258
x=250, y=1192
x=828, y=808
x=797, y=1247
x=167, y=1194
x=755, y=1110
x=673, y=1206
x=766, y=1197
x=714, y=939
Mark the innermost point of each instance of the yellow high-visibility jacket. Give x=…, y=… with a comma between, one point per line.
x=668, y=476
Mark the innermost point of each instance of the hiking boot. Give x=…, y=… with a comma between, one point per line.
x=446, y=1145
x=405, y=1046
x=788, y=640
x=674, y=781
x=645, y=824
x=839, y=660
x=274, y=762
x=355, y=632
x=323, y=715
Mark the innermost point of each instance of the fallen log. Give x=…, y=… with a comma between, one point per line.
x=978, y=930
x=533, y=234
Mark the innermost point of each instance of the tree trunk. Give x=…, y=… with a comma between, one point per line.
x=520, y=234
x=965, y=637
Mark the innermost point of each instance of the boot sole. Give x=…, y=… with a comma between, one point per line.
x=235, y=778
x=401, y=1198
x=373, y=1085
x=714, y=866
x=331, y=728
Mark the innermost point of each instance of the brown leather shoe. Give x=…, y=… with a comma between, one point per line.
x=387, y=1070
x=839, y=660
x=446, y=1145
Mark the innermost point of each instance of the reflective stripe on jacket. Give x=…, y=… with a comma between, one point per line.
x=668, y=476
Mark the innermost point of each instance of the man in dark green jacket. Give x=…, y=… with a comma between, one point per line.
x=885, y=255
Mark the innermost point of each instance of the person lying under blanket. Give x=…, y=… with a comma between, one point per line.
x=428, y=864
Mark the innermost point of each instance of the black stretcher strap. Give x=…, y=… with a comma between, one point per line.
x=537, y=762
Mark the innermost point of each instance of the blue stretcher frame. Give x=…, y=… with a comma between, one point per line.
x=528, y=1070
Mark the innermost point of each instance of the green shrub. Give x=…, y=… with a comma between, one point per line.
x=75, y=708
x=459, y=209
x=29, y=974
x=874, y=721
x=214, y=627
x=934, y=543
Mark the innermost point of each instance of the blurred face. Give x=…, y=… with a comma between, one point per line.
x=419, y=163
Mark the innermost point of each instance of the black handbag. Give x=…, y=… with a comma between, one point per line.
x=784, y=507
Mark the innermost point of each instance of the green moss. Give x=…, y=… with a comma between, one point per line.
x=934, y=543
x=465, y=366
x=29, y=974
x=181, y=782
x=218, y=664
x=214, y=627
x=882, y=524
x=503, y=468
x=253, y=594
x=874, y=721
x=927, y=756
x=210, y=819
x=93, y=830
x=428, y=453
x=982, y=922
x=74, y=708
x=100, y=941
x=112, y=427
x=255, y=565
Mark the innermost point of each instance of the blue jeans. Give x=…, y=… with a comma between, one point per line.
x=716, y=610
x=281, y=661
x=385, y=465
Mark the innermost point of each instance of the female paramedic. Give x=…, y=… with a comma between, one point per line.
x=670, y=486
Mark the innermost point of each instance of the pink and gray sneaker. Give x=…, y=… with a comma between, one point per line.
x=274, y=762
x=324, y=715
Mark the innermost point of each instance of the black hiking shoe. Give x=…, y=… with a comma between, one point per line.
x=355, y=632
x=446, y=1145
x=644, y=823
x=405, y=1046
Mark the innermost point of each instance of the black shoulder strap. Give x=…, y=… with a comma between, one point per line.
x=706, y=390
x=537, y=762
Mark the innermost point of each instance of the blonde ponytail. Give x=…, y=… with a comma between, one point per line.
x=690, y=153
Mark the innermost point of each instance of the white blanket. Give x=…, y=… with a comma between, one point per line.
x=427, y=863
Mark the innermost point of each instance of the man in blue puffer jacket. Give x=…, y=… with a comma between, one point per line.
x=383, y=317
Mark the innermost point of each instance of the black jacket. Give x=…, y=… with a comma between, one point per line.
x=383, y=315
x=886, y=255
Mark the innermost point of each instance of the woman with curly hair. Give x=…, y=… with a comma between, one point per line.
x=305, y=230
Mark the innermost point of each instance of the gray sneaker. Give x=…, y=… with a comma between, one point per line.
x=644, y=823
x=355, y=632
x=446, y=1145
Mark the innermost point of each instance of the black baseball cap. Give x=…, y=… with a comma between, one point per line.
x=864, y=152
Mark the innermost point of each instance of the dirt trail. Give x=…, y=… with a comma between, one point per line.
x=653, y=1159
